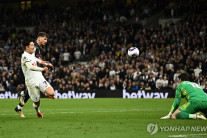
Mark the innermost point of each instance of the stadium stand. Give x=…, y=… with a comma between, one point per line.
x=95, y=36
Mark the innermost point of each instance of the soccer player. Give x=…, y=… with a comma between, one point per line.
x=196, y=100
x=34, y=79
x=23, y=95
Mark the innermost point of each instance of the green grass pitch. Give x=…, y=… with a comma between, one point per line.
x=92, y=118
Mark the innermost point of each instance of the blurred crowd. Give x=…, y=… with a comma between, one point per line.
x=88, y=47
x=178, y=8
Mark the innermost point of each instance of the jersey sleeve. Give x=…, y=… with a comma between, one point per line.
x=38, y=60
x=25, y=59
x=177, y=100
x=31, y=67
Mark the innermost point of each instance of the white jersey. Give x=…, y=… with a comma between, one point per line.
x=31, y=76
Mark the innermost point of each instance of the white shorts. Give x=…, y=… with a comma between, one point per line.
x=35, y=89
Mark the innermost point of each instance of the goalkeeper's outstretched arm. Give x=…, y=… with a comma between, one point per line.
x=175, y=104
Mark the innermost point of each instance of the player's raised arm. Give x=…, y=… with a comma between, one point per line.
x=31, y=67
x=44, y=63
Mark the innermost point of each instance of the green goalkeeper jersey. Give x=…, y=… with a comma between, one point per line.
x=190, y=91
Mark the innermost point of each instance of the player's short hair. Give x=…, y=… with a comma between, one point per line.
x=184, y=76
x=26, y=42
x=42, y=34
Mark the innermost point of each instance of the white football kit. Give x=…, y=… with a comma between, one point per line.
x=34, y=79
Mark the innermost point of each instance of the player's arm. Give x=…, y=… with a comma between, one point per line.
x=31, y=67
x=44, y=63
x=39, y=60
x=176, y=101
x=175, y=104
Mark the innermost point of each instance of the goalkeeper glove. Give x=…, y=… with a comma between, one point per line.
x=167, y=116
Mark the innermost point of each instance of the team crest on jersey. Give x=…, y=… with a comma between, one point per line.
x=25, y=58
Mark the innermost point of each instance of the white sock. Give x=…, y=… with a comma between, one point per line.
x=36, y=108
x=193, y=116
x=19, y=107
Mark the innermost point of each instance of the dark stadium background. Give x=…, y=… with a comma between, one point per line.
x=171, y=37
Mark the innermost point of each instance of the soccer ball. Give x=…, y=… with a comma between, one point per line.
x=133, y=52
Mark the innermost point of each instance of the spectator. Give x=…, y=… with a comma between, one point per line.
x=171, y=84
x=66, y=57
x=144, y=76
x=175, y=77
x=101, y=85
x=1, y=88
x=124, y=85
x=106, y=86
x=129, y=85
x=142, y=86
x=77, y=55
x=112, y=72
x=10, y=86
x=147, y=87
x=119, y=83
x=192, y=77
x=102, y=63
x=92, y=85
x=112, y=86
x=94, y=50
x=175, y=84
x=159, y=82
x=134, y=87
x=136, y=74
x=197, y=70
x=165, y=82
x=151, y=81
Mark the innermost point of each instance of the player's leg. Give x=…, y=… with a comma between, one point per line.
x=49, y=92
x=34, y=93
x=187, y=111
x=180, y=113
x=36, y=106
x=203, y=107
x=19, y=110
x=175, y=113
x=47, y=89
x=19, y=107
x=183, y=115
x=23, y=97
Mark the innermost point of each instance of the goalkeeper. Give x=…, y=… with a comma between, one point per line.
x=196, y=100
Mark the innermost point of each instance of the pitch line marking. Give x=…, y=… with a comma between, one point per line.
x=79, y=111
x=187, y=135
x=91, y=110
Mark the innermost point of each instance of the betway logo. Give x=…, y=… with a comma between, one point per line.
x=8, y=95
x=72, y=94
x=142, y=94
